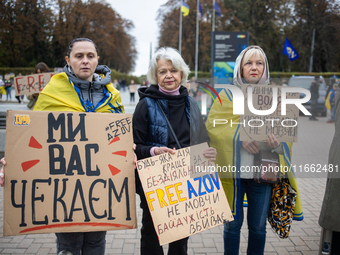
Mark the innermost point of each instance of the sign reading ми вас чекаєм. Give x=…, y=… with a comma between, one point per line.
x=68, y=172
x=183, y=201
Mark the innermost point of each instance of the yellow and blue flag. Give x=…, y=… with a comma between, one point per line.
x=290, y=51
x=185, y=8
x=217, y=9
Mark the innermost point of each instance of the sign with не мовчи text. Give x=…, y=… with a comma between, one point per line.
x=266, y=100
x=31, y=84
x=183, y=201
x=68, y=172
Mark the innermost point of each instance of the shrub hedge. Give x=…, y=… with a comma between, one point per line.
x=138, y=80
x=30, y=70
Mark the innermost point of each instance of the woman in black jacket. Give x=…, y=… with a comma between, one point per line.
x=167, y=71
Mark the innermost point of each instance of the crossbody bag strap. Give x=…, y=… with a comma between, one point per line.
x=169, y=125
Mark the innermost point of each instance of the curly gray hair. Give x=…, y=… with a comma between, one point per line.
x=176, y=59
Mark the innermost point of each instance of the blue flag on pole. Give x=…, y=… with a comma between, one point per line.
x=200, y=9
x=217, y=9
x=289, y=50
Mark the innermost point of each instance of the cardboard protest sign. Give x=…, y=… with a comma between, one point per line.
x=133, y=88
x=180, y=204
x=68, y=172
x=254, y=127
x=31, y=84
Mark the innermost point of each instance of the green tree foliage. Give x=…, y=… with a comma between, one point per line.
x=260, y=18
x=168, y=18
x=268, y=23
x=24, y=32
x=324, y=17
x=41, y=30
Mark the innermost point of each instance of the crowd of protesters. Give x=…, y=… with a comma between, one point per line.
x=168, y=75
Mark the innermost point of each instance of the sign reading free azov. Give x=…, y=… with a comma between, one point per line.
x=184, y=193
x=68, y=172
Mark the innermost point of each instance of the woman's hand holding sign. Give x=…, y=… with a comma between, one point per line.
x=210, y=153
x=161, y=150
x=2, y=172
x=272, y=142
x=252, y=147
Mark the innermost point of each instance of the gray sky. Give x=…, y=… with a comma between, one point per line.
x=143, y=14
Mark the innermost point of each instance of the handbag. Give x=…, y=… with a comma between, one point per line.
x=281, y=209
x=268, y=167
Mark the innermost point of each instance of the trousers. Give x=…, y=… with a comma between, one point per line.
x=149, y=240
x=258, y=196
x=84, y=243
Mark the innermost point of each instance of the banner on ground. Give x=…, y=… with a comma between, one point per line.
x=68, y=172
x=184, y=193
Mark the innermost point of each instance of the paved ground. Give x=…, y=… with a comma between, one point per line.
x=312, y=148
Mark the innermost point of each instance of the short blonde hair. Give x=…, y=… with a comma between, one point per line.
x=169, y=54
x=249, y=54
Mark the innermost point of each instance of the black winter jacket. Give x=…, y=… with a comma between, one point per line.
x=149, y=125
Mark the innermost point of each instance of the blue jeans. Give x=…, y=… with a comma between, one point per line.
x=85, y=243
x=258, y=196
x=8, y=93
x=333, y=112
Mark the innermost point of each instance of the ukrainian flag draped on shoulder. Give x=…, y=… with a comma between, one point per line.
x=224, y=132
x=60, y=94
x=225, y=138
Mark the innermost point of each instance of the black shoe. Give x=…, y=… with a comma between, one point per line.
x=313, y=118
x=325, y=248
x=64, y=252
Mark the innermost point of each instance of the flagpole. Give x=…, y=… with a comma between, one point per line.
x=311, y=54
x=213, y=23
x=180, y=28
x=278, y=76
x=197, y=31
x=212, y=46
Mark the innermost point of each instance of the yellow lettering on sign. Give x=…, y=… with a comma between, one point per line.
x=22, y=120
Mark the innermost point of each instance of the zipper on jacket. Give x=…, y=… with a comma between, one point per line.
x=90, y=92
